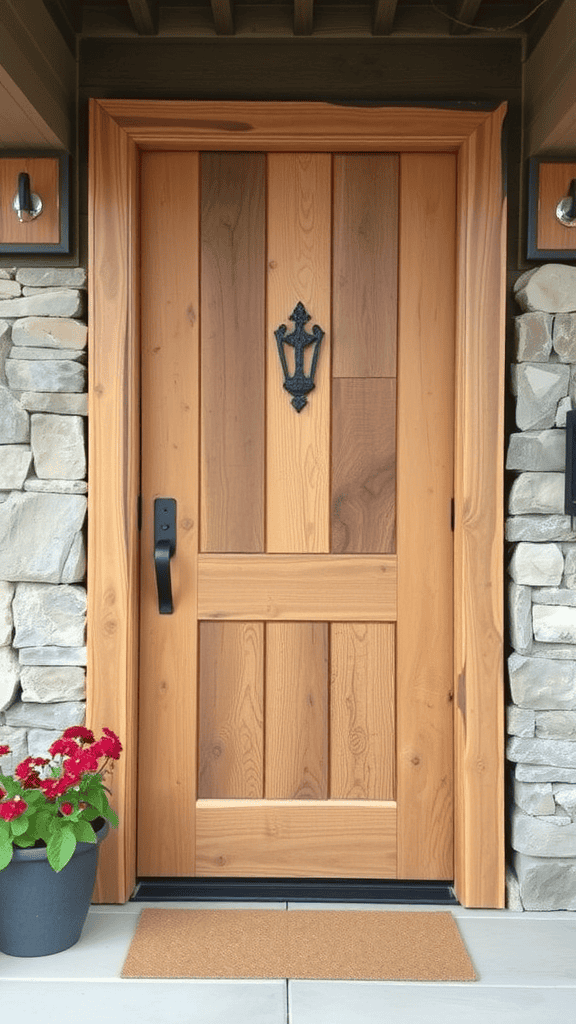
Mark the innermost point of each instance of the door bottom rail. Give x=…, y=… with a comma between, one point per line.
x=313, y=890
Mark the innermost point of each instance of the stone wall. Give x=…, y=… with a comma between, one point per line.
x=43, y=405
x=542, y=594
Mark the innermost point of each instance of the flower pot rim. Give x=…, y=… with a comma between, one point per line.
x=21, y=853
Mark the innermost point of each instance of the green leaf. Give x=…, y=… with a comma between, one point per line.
x=84, y=832
x=60, y=848
x=19, y=826
x=6, y=851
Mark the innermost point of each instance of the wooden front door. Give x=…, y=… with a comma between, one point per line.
x=295, y=710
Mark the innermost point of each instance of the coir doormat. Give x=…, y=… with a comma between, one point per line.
x=324, y=944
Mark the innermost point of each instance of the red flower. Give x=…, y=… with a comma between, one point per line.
x=64, y=746
x=4, y=750
x=2, y=793
x=66, y=808
x=12, y=808
x=79, y=732
x=53, y=788
x=110, y=745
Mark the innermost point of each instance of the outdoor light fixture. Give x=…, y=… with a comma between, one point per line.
x=552, y=209
x=34, y=202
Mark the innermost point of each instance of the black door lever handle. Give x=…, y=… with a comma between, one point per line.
x=164, y=548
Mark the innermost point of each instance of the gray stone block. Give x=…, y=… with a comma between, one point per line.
x=40, y=740
x=53, y=656
x=58, y=446
x=561, y=652
x=46, y=716
x=564, y=337
x=546, y=883
x=545, y=773
x=540, y=838
x=52, y=277
x=9, y=677
x=63, y=404
x=564, y=407
x=539, y=529
x=49, y=616
x=550, y=288
x=46, y=332
x=15, y=462
x=565, y=798
x=6, y=622
x=556, y=725
x=539, y=387
x=45, y=375
x=570, y=567
x=14, y=420
x=542, y=684
x=533, y=336
x=52, y=684
x=554, y=595
x=75, y=569
x=537, y=450
x=520, y=721
x=536, y=564
x=48, y=353
x=36, y=535
x=558, y=753
x=534, y=797
x=64, y=302
x=554, y=624
x=32, y=483
x=16, y=740
x=537, y=493
x=9, y=289
x=520, y=608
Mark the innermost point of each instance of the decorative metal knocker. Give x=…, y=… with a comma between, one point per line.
x=299, y=384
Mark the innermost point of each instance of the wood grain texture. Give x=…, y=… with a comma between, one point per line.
x=478, y=541
x=231, y=710
x=296, y=710
x=44, y=181
x=233, y=228
x=294, y=838
x=362, y=711
x=363, y=466
x=298, y=444
x=426, y=333
x=365, y=265
x=170, y=448
x=299, y=587
x=554, y=180
x=113, y=542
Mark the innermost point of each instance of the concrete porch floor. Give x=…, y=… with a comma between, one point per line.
x=526, y=967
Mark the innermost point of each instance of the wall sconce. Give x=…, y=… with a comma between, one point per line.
x=34, y=203
x=552, y=209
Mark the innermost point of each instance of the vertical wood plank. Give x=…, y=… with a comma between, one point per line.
x=230, y=710
x=296, y=701
x=478, y=542
x=233, y=350
x=167, y=747
x=364, y=466
x=113, y=542
x=298, y=452
x=365, y=264
x=426, y=329
x=362, y=711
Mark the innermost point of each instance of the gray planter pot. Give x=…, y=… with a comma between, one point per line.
x=43, y=911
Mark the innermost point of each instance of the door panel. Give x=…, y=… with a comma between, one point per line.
x=312, y=625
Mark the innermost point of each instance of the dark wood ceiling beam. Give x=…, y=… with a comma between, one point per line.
x=466, y=11
x=223, y=14
x=145, y=16
x=303, y=17
x=384, y=14
x=67, y=16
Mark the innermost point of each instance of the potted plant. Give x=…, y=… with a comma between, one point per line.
x=54, y=813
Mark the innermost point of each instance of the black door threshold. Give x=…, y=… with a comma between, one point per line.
x=313, y=890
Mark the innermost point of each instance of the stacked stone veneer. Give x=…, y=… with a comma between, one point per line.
x=43, y=405
x=542, y=594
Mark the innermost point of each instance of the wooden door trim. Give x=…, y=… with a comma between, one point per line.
x=119, y=130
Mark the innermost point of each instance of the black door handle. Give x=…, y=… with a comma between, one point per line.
x=164, y=548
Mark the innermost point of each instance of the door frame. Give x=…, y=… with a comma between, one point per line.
x=119, y=130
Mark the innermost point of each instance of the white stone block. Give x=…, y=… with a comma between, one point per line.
x=48, y=353
x=46, y=332
x=534, y=797
x=539, y=387
x=46, y=716
x=545, y=773
x=14, y=420
x=52, y=277
x=58, y=446
x=542, y=684
x=16, y=740
x=550, y=288
x=49, y=616
x=556, y=725
x=9, y=289
x=533, y=334
x=45, y=375
x=64, y=404
x=537, y=450
x=540, y=838
x=565, y=797
x=52, y=684
x=540, y=493
x=554, y=753
x=36, y=535
x=40, y=741
x=53, y=656
x=6, y=622
x=9, y=677
x=564, y=337
x=15, y=462
x=564, y=407
x=554, y=595
x=570, y=567
x=74, y=570
x=537, y=564
x=546, y=883
x=520, y=608
x=32, y=483
x=554, y=623
x=539, y=529
x=520, y=721
x=64, y=302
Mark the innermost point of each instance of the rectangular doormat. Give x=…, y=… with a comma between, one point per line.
x=317, y=944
